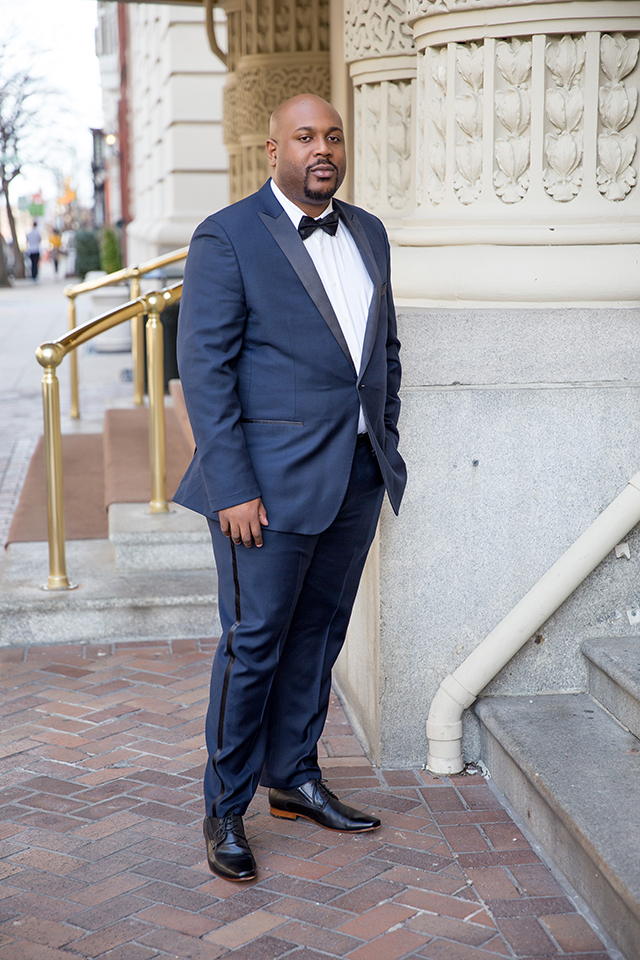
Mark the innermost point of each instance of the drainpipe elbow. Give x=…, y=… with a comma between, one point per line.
x=444, y=727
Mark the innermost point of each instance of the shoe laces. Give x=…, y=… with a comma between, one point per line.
x=323, y=789
x=230, y=823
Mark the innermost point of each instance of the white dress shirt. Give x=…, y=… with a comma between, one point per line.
x=343, y=275
x=33, y=240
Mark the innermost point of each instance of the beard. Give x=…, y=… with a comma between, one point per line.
x=322, y=193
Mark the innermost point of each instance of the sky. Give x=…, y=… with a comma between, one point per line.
x=55, y=39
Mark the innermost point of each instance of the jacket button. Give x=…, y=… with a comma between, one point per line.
x=361, y=386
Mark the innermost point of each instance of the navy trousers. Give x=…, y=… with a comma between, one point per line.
x=284, y=610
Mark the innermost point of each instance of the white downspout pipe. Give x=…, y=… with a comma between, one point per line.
x=461, y=688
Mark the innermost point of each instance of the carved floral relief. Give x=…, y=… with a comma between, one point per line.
x=618, y=103
x=278, y=26
x=422, y=8
x=383, y=152
x=234, y=38
x=372, y=143
x=263, y=20
x=304, y=25
x=323, y=25
x=468, y=113
x=282, y=26
x=437, y=123
x=513, y=111
x=399, y=144
x=253, y=89
x=565, y=60
x=375, y=28
x=421, y=117
x=248, y=28
x=251, y=95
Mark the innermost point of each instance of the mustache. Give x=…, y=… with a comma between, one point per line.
x=322, y=163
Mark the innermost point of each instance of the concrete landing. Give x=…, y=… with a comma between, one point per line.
x=178, y=540
x=573, y=774
x=614, y=677
x=107, y=605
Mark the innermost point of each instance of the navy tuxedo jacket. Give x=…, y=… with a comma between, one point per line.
x=270, y=387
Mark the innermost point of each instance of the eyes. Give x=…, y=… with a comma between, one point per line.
x=332, y=138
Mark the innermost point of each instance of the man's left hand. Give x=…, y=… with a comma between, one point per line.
x=244, y=522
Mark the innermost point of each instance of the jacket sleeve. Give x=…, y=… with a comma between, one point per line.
x=394, y=370
x=210, y=337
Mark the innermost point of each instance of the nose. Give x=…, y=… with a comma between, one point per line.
x=323, y=147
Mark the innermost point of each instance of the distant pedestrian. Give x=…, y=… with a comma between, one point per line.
x=55, y=245
x=33, y=243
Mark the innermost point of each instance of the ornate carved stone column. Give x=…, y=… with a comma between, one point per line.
x=527, y=137
x=382, y=63
x=277, y=49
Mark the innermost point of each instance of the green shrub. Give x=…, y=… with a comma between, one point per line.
x=87, y=253
x=110, y=255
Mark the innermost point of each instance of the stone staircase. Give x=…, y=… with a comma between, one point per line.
x=140, y=576
x=569, y=764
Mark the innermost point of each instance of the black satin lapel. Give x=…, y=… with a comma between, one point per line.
x=362, y=242
x=288, y=239
x=371, y=329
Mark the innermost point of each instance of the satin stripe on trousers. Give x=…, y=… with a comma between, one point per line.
x=271, y=674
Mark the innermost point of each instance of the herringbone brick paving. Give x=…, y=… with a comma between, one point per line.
x=101, y=760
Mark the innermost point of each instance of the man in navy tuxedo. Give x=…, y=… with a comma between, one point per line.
x=288, y=356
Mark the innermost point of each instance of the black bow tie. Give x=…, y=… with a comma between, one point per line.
x=329, y=224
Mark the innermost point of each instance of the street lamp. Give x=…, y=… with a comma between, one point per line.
x=99, y=177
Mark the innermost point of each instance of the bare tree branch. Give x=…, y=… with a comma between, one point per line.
x=24, y=102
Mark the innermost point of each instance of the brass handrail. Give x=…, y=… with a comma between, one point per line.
x=50, y=355
x=131, y=275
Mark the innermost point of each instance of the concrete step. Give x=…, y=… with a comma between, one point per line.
x=178, y=540
x=107, y=605
x=573, y=774
x=614, y=677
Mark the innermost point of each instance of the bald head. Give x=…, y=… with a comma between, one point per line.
x=299, y=107
x=306, y=151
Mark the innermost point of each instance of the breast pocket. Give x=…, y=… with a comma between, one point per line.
x=278, y=423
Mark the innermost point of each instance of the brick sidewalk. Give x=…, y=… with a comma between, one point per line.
x=101, y=764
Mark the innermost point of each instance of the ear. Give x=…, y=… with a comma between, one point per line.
x=272, y=152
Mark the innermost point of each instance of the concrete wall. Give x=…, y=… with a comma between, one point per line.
x=518, y=427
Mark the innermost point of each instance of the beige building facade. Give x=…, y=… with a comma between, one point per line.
x=177, y=161
x=179, y=170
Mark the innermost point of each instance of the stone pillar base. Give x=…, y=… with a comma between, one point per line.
x=518, y=427
x=495, y=275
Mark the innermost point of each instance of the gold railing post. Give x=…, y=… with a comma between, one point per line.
x=132, y=276
x=74, y=411
x=155, y=304
x=49, y=356
x=137, y=342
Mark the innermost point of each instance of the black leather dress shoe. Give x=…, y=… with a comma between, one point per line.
x=314, y=801
x=228, y=852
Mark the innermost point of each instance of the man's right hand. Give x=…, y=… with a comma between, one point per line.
x=244, y=522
